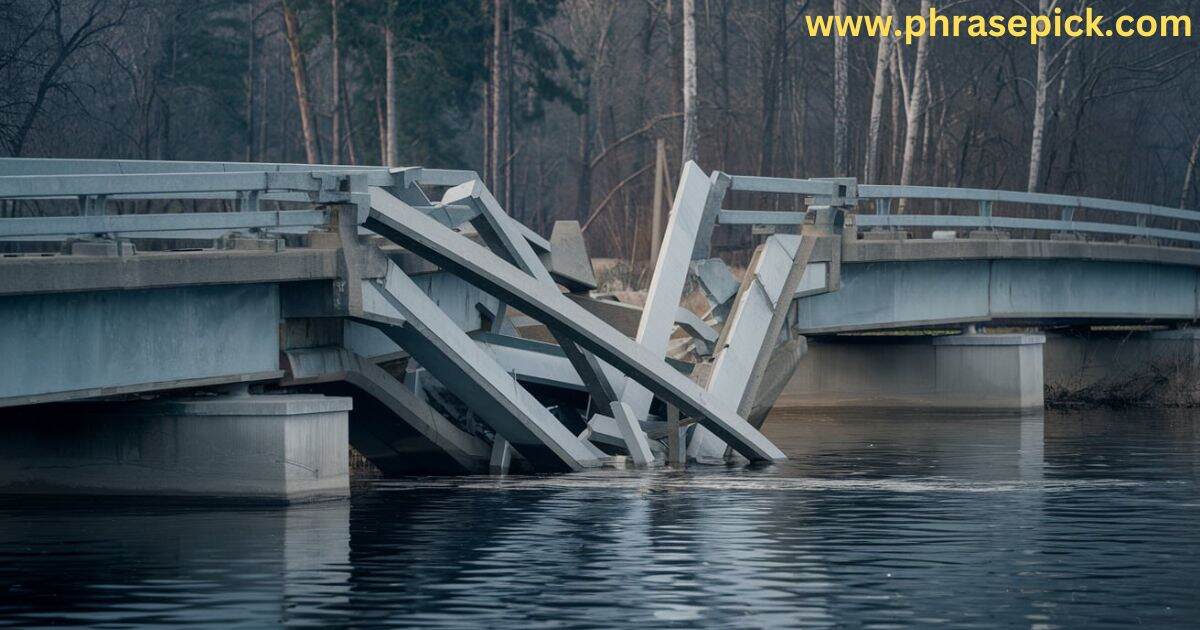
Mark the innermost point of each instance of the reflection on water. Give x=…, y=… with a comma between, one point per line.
x=1082, y=520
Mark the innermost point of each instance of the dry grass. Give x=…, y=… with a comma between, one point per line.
x=1172, y=383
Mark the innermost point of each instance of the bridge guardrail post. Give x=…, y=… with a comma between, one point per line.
x=829, y=213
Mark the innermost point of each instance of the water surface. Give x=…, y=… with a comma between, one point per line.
x=1076, y=520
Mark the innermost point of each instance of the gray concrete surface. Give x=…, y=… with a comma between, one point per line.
x=905, y=294
x=969, y=372
x=54, y=344
x=274, y=448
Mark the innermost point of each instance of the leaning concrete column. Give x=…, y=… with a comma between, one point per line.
x=670, y=273
x=752, y=333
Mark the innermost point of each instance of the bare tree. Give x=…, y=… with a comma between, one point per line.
x=841, y=85
x=335, y=59
x=43, y=51
x=1190, y=175
x=291, y=24
x=498, y=97
x=1040, y=91
x=391, y=112
x=691, y=122
x=916, y=107
x=883, y=57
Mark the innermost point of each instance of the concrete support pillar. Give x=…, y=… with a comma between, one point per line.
x=272, y=448
x=980, y=372
x=1002, y=372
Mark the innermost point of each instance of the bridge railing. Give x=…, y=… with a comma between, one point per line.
x=1064, y=208
x=95, y=184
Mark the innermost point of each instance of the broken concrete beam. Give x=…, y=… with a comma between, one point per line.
x=403, y=312
x=752, y=332
x=568, y=261
x=409, y=228
x=426, y=443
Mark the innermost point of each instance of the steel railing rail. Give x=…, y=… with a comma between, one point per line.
x=249, y=187
x=1052, y=225
x=57, y=166
x=783, y=185
x=94, y=183
x=853, y=196
x=185, y=221
x=984, y=196
x=195, y=185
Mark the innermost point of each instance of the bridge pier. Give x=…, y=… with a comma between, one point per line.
x=270, y=448
x=969, y=372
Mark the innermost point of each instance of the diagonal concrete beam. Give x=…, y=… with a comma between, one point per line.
x=635, y=438
x=752, y=332
x=502, y=235
x=498, y=230
x=398, y=308
x=409, y=228
x=434, y=433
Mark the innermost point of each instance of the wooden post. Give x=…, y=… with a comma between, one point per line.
x=676, y=444
x=660, y=184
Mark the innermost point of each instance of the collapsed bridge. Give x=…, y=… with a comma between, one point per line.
x=232, y=326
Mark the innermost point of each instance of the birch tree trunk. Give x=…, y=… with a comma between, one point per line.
x=916, y=106
x=499, y=97
x=897, y=110
x=691, y=132
x=381, y=127
x=392, y=154
x=773, y=62
x=882, y=59
x=300, y=77
x=506, y=117
x=336, y=79
x=1039, y=107
x=347, y=125
x=251, y=76
x=841, y=84
x=1191, y=173
x=583, y=186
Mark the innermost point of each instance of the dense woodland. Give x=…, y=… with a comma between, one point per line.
x=560, y=103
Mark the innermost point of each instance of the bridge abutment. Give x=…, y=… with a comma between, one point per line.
x=271, y=448
x=972, y=372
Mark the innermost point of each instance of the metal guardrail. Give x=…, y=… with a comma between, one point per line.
x=854, y=196
x=54, y=166
x=183, y=221
x=94, y=183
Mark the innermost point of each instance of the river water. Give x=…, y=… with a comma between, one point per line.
x=1082, y=519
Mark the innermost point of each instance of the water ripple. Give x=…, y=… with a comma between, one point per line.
x=875, y=522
